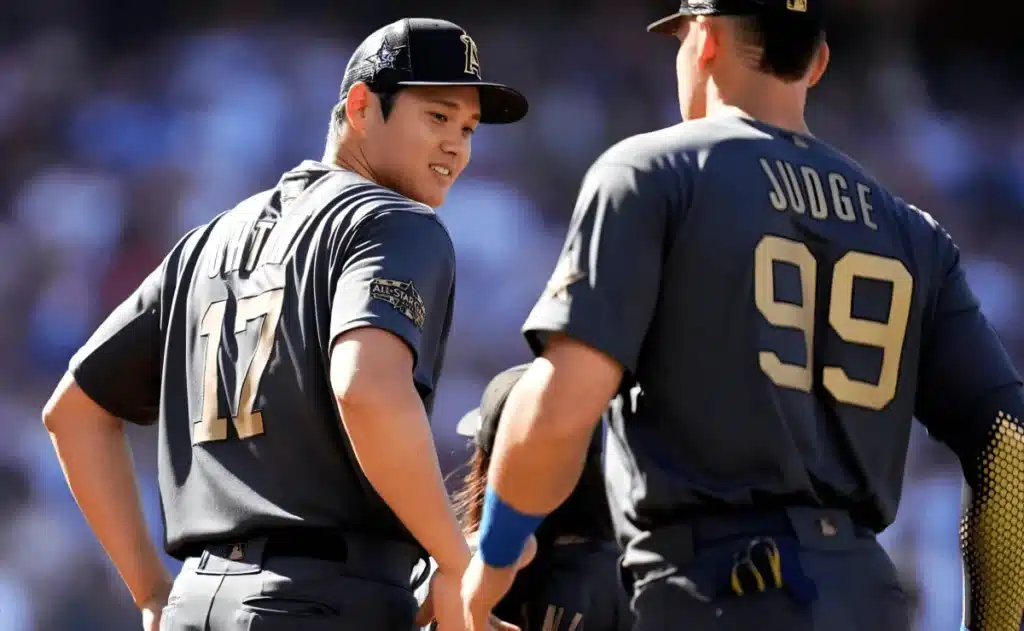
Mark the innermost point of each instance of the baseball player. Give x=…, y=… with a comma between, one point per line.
x=574, y=580
x=289, y=351
x=772, y=319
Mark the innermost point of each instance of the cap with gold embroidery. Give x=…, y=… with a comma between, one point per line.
x=798, y=9
x=425, y=51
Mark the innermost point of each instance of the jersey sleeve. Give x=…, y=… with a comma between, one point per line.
x=397, y=274
x=605, y=285
x=963, y=363
x=970, y=397
x=119, y=366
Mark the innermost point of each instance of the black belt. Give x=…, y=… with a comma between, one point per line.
x=326, y=545
x=709, y=529
x=386, y=560
x=766, y=542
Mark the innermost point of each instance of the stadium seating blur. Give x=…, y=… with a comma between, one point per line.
x=122, y=124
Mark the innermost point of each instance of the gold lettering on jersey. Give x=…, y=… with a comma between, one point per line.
x=257, y=241
x=233, y=249
x=248, y=420
x=247, y=246
x=216, y=246
x=843, y=203
x=282, y=239
x=887, y=337
x=864, y=196
x=776, y=196
x=239, y=246
x=815, y=193
x=796, y=197
x=804, y=190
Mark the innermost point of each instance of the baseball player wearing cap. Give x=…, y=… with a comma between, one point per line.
x=289, y=351
x=772, y=319
x=573, y=582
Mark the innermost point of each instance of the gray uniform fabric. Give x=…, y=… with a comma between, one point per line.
x=781, y=318
x=227, y=347
x=236, y=588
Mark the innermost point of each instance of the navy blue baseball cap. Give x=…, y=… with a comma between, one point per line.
x=429, y=52
x=481, y=424
x=796, y=9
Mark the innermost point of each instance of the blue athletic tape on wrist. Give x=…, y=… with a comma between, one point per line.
x=503, y=531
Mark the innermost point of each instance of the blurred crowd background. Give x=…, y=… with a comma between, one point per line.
x=123, y=123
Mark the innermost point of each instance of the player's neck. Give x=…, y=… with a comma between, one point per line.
x=776, y=104
x=345, y=157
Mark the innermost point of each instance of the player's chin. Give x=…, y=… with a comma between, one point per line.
x=432, y=195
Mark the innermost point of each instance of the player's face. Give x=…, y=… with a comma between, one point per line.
x=692, y=81
x=425, y=143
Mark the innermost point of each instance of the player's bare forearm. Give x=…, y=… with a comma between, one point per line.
x=93, y=452
x=548, y=424
x=392, y=441
x=390, y=435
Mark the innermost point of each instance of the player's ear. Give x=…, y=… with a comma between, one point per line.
x=709, y=39
x=357, y=106
x=820, y=64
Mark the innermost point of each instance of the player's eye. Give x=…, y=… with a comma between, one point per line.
x=468, y=131
x=439, y=117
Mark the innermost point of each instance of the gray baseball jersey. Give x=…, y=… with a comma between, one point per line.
x=228, y=345
x=780, y=316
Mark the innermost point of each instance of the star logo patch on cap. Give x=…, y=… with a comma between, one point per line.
x=385, y=58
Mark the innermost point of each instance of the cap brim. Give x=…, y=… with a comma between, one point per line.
x=668, y=25
x=499, y=104
x=469, y=424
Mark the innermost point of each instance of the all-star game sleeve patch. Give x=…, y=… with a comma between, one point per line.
x=402, y=296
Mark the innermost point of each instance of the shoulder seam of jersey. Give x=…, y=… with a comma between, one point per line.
x=382, y=192
x=388, y=201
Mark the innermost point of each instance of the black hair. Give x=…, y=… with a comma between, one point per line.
x=786, y=45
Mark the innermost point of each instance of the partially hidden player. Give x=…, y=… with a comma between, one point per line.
x=289, y=352
x=573, y=583
x=772, y=318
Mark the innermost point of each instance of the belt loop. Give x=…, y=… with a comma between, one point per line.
x=822, y=528
x=203, y=558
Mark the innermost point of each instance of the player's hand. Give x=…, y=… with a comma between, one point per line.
x=484, y=586
x=152, y=609
x=442, y=603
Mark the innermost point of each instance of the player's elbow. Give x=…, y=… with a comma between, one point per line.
x=70, y=408
x=568, y=388
x=369, y=366
x=51, y=414
x=579, y=380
